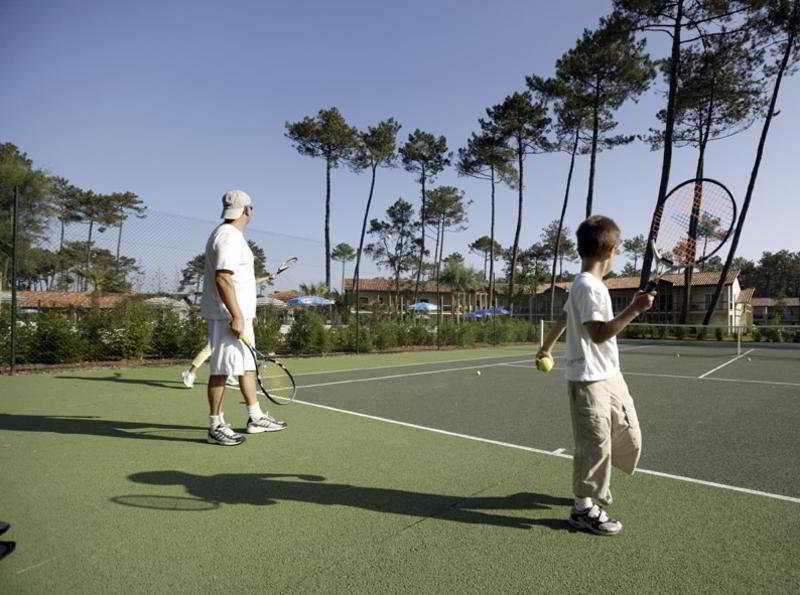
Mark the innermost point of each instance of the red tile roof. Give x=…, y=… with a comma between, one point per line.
x=710, y=278
x=698, y=279
x=773, y=302
x=745, y=296
x=285, y=295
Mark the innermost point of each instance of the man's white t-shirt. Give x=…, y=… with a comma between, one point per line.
x=587, y=361
x=227, y=249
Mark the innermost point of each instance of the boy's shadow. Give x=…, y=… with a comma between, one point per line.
x=94, y=426
x=271, y=488
x=117, y=378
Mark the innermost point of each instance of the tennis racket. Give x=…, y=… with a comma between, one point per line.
x=693, y=223
x=285, y=265
x=273, y=378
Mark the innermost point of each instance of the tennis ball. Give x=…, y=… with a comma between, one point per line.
x=477, y=372
x=545, y=364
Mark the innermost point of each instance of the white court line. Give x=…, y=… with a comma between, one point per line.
x=725, y=364
x=36, y=565
x=555, y=453
x=755, y=381
x=408, y=374
x=444, y=361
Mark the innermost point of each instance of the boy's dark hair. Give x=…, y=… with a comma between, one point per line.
x=597, y=237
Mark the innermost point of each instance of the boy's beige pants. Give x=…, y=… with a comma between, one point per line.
x=606, y=432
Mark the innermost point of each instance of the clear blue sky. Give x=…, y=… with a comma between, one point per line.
x=178, y=101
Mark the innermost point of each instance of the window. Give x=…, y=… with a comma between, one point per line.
x=663, y=302
x=619, y=303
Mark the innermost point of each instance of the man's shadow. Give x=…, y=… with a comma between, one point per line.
x=94, y=426
x=116, y=377
x=271, y=488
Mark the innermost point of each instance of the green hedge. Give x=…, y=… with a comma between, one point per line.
x=134, y=330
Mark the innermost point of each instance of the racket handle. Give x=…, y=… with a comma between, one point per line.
x=651, y=286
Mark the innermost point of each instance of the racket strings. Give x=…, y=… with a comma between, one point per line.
x=694, y=222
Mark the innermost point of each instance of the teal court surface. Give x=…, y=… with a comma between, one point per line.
x=404, y=472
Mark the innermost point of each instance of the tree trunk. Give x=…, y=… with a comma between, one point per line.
x=328, y=222
x=88, y=254
x=668, y=133
x=756, y=166
x=703, y=137
x=519, y=227
x=561, y=222
x=422, y=227
x=357, y=272
x=119, y=243
x=438, y=255
x=491, y=248
x=593, y=158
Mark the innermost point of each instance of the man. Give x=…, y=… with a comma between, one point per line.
x=229, y=306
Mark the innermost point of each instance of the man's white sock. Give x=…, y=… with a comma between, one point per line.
x=254, y=411
x=215, y=420
x=582, y=504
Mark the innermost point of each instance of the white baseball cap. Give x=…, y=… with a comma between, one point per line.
x=233, y=203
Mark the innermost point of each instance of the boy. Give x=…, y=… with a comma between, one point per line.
x=604, y=422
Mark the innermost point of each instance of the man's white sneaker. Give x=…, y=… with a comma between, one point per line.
x=188, y=378
x=264, y=424
x=224, y=435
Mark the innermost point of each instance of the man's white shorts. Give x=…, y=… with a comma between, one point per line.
x=229, y=357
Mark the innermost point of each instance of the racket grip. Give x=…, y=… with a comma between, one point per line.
x=651, y=286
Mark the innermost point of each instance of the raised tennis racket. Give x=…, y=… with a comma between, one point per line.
x=285, y=265
x=273, y=378
x=693, y=223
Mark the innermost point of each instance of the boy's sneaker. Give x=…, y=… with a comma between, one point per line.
x=232, y=381
x=224, y=435
x=596, y=520
x=188, y=378
x=264, y=424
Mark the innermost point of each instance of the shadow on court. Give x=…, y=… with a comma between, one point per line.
x=270, y=488
x=94, y=426
x=117, y=377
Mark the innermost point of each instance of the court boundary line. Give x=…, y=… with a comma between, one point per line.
x=730, y=361
x=393, y=376
x=445, y=361
x=550, y=453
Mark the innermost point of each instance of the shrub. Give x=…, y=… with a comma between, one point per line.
x=679, y=332
x=385, y=334
x=194, y=333
x=167, y=339
x=478, y=332
x=418, y=335
x=465, y=334
x=124, y=331
x=498, y=331
x=718, y=334
x=774, y=335
x=267, y=329
x=55, y=341
x=24, y=337
x=307, y=334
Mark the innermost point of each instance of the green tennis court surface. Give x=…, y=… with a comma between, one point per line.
x=403, y=472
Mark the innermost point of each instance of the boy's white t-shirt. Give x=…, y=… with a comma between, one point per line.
x=587, y=361
x=227, y=249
